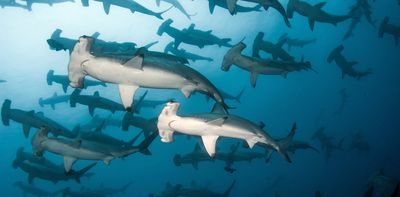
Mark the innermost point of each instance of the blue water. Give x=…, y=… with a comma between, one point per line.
x=307, y=98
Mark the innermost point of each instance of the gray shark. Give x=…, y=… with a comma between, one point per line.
x=192, y=36
x=52, y=101
x=63, y=80
x=131, y=5
x=140, y=71
x=327, y=142
x=387, y=28
x=73, y=150
x=229, y=96
x=30, y=119
x=146, y=103
x=67, y=192
x=275, y=50
x=95, y=101
x=177, y=5
x=264, y=3
x=257, y=66
x=289, y=144
x=358, y=142
x=183, y=53
x=22, y=156
x=238, y=8
x=346, y=66
x=361, y=9
x=211, y=126
x=192, y=191
x=236, y=156
x=194, y=158
x=96, y=121
x=29, y=189
x=147, y=126
x=53, y=173
x=314, y=13
x=295, y=42
x=29, y=3
x=12, y=3
x=109, y=191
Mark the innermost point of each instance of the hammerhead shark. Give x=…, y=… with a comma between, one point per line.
x=327, y=142
x=346, y=66
x=238, y=8
x=264, y=3
x=361, y=9
x=192, y=190
x=35, y=190
x=140, y=71
x=390, y=29
x=314, y=13
x=185, y=54
x=94, y=101
x=30, y=119
x=257, y=66
x=275, y=50
x=191, y=36
x=295, y=42
x=29, y=3
x=12, y=3
x=131, y=5
x=63, y=80
x=358, y=142
x=177, y=5
x=52, y=101
x=194, y=158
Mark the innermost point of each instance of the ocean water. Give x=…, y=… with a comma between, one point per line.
x=310, y=99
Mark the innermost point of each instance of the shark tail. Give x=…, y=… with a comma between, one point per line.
x=382, y=27
x=144, y=146
x=290, y=9
x=5, y=112
x=239, y=96
x=125, y=121
x=177, y=159
x=159, y=14
x=289, y=138
x=228, y=191
x=256, y=44
x=73, y=97
x=81, y=172
x=164, y=26
x=49, y=78
x=19, y=158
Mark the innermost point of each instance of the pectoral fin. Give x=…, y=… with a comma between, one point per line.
x=218, y=121
x=91, y=110
x=106, y=6
x=136, y=62
x=26, y=128
x=209, y=142
x=68, y=162
x=127, y=92
x=231, y=5
x=253, y=79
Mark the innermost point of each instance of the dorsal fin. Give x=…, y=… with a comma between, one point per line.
x=55, y=94
x=136, y=62
x=320, y=5
x=96, y=94
x=191, y=27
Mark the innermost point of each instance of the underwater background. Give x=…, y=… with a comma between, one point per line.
x=310, y=99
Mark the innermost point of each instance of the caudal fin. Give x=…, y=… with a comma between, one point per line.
x=5, y=112
x=239, y=96
x=177, y=160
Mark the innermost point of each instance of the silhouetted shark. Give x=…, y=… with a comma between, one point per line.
x=314, y=13
x=29, y=3
x=194, y=158
x=177, y=5
x=295, y=42
x=238, y=8
x=345, y=65
x=52, y=101
x=184, y=54
x=64, y=81
x=327, y=142
x=390, y=29
x=275, y=50
x=192, y=36
x=357, y=11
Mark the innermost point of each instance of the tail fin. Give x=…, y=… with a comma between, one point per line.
x=290, y=8
x=228, y=191
x=19, y=158
x=41, y=102
x=237, y=97
x=125, y=121
x=49, y=78
x=164, y=26
x=143, y=147
x=159, y=14
x=278, y=6
x=229, y=56
x=81, y=172
x=5, y=112
x=285, y=143
x=177, y=159
x=73, y=97
x=382, y=27
x=256, y=44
